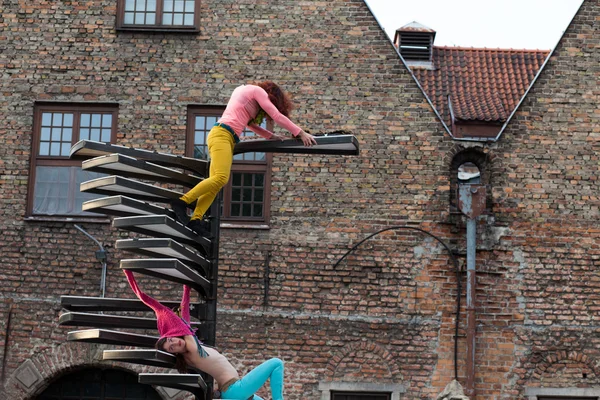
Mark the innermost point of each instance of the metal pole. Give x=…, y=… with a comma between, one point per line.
x=100, y=255
x=471, y=294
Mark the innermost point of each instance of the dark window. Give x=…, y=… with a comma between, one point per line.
x=566, y=398
x=360, y=396
x=97, y=384
x=55, y=178
x=246, y=196
x=158, y=15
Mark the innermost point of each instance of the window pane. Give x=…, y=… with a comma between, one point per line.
x=140, y=5
x=106, y=120
x=139, y=19
x=168, y=6
x=246, y=210
x=67, y=134
x=151, y=18
x=55, y=149
x=257, y=212
x=85, y=120
x=57, y=119
x=46, y=119
x=178, y=19
x=129, y=5
x=44, y=149
x=235, y=210
x=235, y=194
x=105, y=135
x=65, y=149
x=128, y=20
x=188, y=20
x=56, y=134
x=68, y=119
x=259, y=180
x=247, y=195
x=84, y=134
x=151, y=6
x=237, y=179
x=179, y=5
x=45, y=134
x=189, y=6
x=210, y=121
x=258, y=195
x=95, y=135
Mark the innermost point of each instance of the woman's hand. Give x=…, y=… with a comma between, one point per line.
x=307, y=139
x=277, y=137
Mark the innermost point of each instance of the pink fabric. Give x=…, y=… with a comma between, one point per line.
x=243, y=106
x=167, y=322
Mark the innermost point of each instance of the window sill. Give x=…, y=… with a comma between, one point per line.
x=93, y=220
x=241, y=225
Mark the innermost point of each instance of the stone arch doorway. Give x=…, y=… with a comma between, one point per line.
x=98, y=384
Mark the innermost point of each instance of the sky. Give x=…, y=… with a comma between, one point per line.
x=517, y=24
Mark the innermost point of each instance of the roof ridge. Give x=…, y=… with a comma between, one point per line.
x=491, y=49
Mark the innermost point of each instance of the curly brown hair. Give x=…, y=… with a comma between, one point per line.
x=278, y=97
x=180, y=364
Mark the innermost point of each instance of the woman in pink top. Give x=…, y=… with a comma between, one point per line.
x=178, y=338
x=247, y=107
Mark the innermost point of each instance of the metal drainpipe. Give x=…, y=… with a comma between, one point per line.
x=100, y=255
x=471, y=320
x=471, y=202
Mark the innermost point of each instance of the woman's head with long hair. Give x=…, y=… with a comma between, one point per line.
x=165, y=344
x=278, y=97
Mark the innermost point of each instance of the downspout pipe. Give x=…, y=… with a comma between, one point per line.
x=471, y=294
x=471, y=202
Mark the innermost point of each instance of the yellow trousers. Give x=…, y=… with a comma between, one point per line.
x=220, y=148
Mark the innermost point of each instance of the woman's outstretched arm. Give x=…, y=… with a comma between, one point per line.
x=147, y=300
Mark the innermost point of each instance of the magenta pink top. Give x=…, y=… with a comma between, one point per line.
x=243, y=106
x=167, y=322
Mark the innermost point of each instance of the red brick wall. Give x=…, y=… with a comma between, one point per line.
x=386, y=314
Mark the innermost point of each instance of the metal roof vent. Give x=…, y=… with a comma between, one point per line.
x=415, y=42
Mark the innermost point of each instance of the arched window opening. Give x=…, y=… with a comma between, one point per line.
x=98, y=384
x=469, y=166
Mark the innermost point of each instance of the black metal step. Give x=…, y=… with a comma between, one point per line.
x=189, y=382
x=95, y=304
x=122, y=165
x=109, y=321
x=123, y=206
x=104, y=336
x=115, y=185
x=152, y=357
x=162, y=226
x=171, y=269
x=85, y=149
x=335, y=145
x=163, y=247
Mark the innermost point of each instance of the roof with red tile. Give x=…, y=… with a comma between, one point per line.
x=479, y=84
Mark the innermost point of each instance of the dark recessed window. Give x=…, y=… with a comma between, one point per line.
x=98, y=384
x=159, y=15
x=246, y=197
x=55, y=178
x=360, y=396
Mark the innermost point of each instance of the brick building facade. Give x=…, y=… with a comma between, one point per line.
x=385, y=315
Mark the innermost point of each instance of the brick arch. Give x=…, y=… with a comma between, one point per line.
x=480, y=156
x=37, y=372
x=560, y=356
x=363, y=347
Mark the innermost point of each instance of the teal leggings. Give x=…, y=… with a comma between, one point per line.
x=246, y=387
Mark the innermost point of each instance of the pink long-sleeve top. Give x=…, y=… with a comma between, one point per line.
x=243, y=106
x=167, y=322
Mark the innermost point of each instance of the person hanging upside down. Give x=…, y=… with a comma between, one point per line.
x=247, y=107
x=178, y=338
